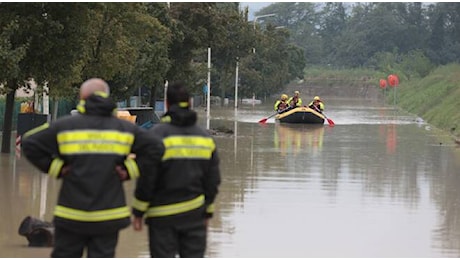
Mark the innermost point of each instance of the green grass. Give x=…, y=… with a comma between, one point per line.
x=435, y=98
x=348, y=77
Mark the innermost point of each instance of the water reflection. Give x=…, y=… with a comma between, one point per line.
x=378, y=184
x=297, y=138
x=360, y=189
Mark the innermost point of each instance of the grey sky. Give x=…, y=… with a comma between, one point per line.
x=254, y=7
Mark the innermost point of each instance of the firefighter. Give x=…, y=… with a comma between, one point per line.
x=295, y=101
x=281, y=105
x=89, y=153
x=317, y=104
x=178, y=201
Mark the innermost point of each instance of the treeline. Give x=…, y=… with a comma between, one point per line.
x=435, y=98
x=139, y=44
x=134, y=45
x=407, y=38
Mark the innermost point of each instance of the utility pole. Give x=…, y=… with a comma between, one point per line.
x=255, y=22
x=208, y=105
x=236, y=83
x=261, y=16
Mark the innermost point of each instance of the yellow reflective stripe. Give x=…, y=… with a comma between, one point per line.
x=176, y=153
x=101, y=94
x=166, y=119
x=90, y=141
x=81, y=106
x=133, y=169
x=92, y=216
x=82, y=148
x=140, y=205
x=210, y=208
x=190, y=147
x=36, y=130
x=94, y=135
x=176, y=208
x=55, y=167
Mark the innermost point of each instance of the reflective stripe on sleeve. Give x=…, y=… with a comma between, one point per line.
x=210, y=208
x=55, y=167
x=36, y=130
x=140, y=205
x=132, y=168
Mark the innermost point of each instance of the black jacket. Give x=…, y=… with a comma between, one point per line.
x=91, y=144
x=189, y=177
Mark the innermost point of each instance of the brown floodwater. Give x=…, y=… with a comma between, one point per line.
x=380, y=183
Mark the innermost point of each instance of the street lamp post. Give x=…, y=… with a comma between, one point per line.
x=255, y=21
x=261, y=16
x=208, y=92
x=237, y=60
x=165, y=107
x=236, y=83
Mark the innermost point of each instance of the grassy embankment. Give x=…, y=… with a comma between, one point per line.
x=350, y=78
x=435, y=98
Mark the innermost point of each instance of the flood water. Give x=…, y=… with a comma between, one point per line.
x=380, y=183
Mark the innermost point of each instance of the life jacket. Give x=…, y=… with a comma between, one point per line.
x=294, y=101
x=282, y=105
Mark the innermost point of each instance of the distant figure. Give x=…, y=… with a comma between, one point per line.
x=295, y=101
x=178, y=198
x=317, y=104
x=89, y=152
x=281, y=104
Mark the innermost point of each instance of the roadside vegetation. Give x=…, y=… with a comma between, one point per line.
x=134, y=45
x=435, y=98
x=327, y=77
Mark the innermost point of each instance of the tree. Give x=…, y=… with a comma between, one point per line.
x=10, y=56
x=332, y=23
x=151, y=64
x=191, y=22
x=16, y=21
x=301, y=20
x=61, y=44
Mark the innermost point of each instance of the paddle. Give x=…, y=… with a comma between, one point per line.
x=329, y=121
x=264, y=120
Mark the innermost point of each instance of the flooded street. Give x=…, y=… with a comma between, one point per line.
x=380, y=183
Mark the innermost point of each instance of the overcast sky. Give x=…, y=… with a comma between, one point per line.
x=254, y=7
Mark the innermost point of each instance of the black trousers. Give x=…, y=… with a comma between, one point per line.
x=187, y=239
x=69, y=244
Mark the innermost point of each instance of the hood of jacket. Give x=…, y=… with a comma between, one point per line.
x=179, y=116
x=97, y=104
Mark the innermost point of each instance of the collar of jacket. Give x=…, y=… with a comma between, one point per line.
x=179, y=116
x=98, y=103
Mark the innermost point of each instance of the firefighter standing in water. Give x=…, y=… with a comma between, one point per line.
x=281, y=104
x=89, y=152
x=178, y=200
